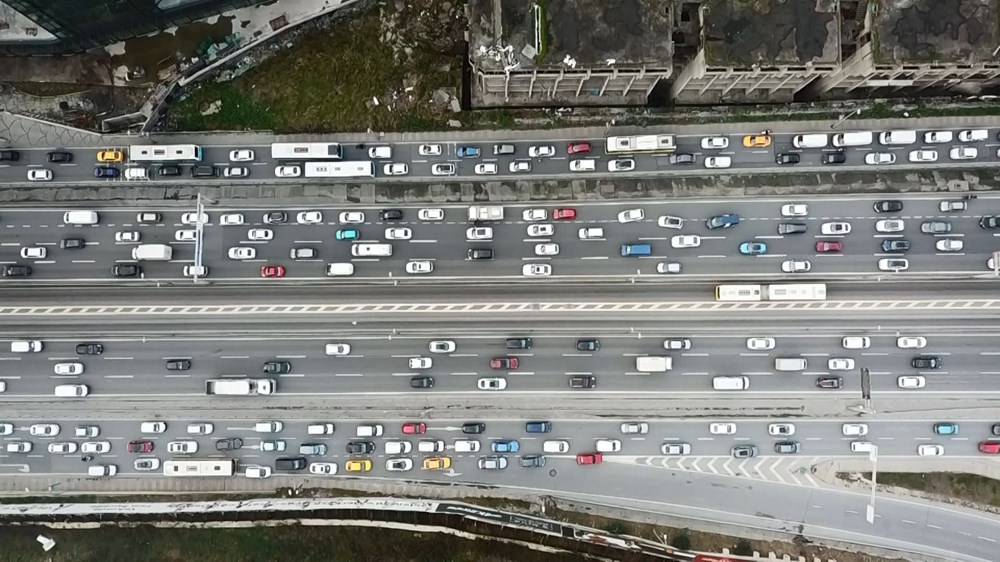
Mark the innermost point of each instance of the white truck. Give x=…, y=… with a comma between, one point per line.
x=486, y=213
x=152, y=252
x=653, y=364
x=240, y=387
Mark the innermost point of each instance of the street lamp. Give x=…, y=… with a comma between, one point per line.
x=846, y=117
x=870, y=511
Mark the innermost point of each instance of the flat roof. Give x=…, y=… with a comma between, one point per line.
x=589, y=32
x=912, y=31
x=770, y=32
x=17, y=28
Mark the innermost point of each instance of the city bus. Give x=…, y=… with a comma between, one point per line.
x=207, y=467
x=641, y=143
x=165, y=153
x=781, y=292
x=307, y=151
x=359, y=169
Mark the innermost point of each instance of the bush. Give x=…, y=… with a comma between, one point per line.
x=681, y=542
x=617, y=528
x=743, y=548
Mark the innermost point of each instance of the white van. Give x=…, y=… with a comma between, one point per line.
x=370, y=430
x=152, y=252
x=320, y=429
x=397, y=447
x=31, y=346
x=81, y=217
x=973, y=135
x=98, y=470
x=890, y=138
x=379, y=250
x=380, y=152
x=430, y=446
x=861, y=447
x=653, y=364
x=858, y=138
x=339, y=269
x=790, y=364
x=731, y=383
x=136, y=174
x=583, y=165
x=816, y=140
x=466, y=446
x=268, y=427
x=72, y=390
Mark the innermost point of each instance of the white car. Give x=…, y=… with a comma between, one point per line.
x=430, y=214
x=973, y=135
x=421, y=362
x=258, y=472
x=235, y=172
x=194, y=218
x=781, y=429
x=889, y=225
x=127, y=236
x=34, y=252
x=309, y=217
x=911, y=342
x=536, y=270
x=417, y=267
x=621, y=165
x=429, y=150
x=153, y=427
x=69, y=368
x=260, y=234
x=243, y=155
x=200, y=428
x=534, y=215
x=273, y=446
x=911, y=381
x=555, y=446
x=893, y=264
x=541, y=151
x=81, y=431
x=18, y=446
x=795, y=266
x=479, y=233
x=854, y=429
x=466, y=446
x=952, y=205
x=938, y=137
x=840, y=364
x=634, y=428
x=668, y=267
x=667, y=221
x=519, y=166
x=608, y=445
x=39, y=174
x=491, y=383
x=65, y=448
x=760, y=344
x=675, y=448
x=876, y=158
x=288, y=171
x=398, y=465
x=795, y=210
x=930, y=450
x=443, y=169
x=963, y=153
x=835, y=228
x=718, y=162
x=536, y=230
x=485, y=169
x=186, y=235
x=722, y=428
x=44, y=429
x=242, y=253
x=338, y=349
x=583, y=165
x=396, y=169
x=380, y=152
x=685, y=241
x=631, y=215
x=7, y=429
x=232, y=219
x=323, y=468
x=677, y=344
x=923, y=156
x=352, y=217
x=146, y=464
x=949, y=245
x=186, y=447
x=441, y=346
x=549, y=249
x=96, y=447
x=856, y=342
x=715, y=143
x=398, y=233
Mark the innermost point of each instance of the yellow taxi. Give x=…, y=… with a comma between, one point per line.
x=757, y=141
x=110, y=156
x=437, y=463
x=358, y=465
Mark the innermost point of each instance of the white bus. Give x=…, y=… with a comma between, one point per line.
x=214, y=467
x=359, y=169
x=641, y=143
x=782, y=292
x=307, y=151
x=165, y=153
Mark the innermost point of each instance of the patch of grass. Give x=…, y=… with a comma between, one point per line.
x=239, y=112
x=969, y=487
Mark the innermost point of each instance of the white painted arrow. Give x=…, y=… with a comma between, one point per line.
x=451, y=473
x=23, y=467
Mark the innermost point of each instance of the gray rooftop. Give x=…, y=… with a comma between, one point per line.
x=770, y=32
x=912, y=31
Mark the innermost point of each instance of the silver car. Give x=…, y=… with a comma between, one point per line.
x=493, y=463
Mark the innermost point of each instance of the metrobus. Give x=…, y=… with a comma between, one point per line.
x=346, y=169
x=164, y=153
x=641, y=143
x=307, y=151
x=782, y=292
x=207, y=467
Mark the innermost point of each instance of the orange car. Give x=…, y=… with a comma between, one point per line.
x=110, y=156
x=757, y=141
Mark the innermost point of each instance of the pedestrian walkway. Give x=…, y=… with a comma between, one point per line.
x=21, y=131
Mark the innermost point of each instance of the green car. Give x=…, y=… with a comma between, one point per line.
x=348, y=234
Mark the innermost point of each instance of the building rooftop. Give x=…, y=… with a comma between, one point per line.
x=911, y=31
x=16, y=28
x=582, y=32
x=770, y=32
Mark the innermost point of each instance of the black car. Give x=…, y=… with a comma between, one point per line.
x=532, y=461
x=834, y=158
x=277, y=367
x=895, y=245
x=829, y=382
x=582, y=381
x=275, y=217
x=126, y=270
x=682, y=158
x=421, y=382
x=178, y=364
x=792, y=228
x=170, y=171
x=888, y=206
x=204, y=172
x=360, y=447
x=230, y=444
x=290, y=463
x=473, y=428
x=787, y=158
x=926, y=362
x=989, y=222
x=59, y=157
x=588, y=345
x=16, y=270
x=105, y=172
x=480, y=254
x=89, y=349
x=9, y=156
x=72, y=243
x=728, y=220
x=995, y=430
x=518, y=343
x=390, y=215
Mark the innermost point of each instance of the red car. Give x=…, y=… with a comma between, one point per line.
x=589, y=458
x=414, y=428
x=272, y=271
x=563, y=214
x=990, y=447
x=504, y=363
x=828, y=246
x=578, y=148
x=140, y=446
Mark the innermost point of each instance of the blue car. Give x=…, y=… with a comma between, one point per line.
x=946, y=428
x=105, y=172
x=753, y=248
x=468, y=152
x=511, y=446
x=348, y=234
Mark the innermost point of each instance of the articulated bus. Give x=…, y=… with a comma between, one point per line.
x=165, y=153
x=360, y=169
x=212, y=467
x=307, y=151
x=642, y=143
x=782, y=292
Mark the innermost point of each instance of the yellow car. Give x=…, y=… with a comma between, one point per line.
x=437, y=463
x=110, y=156
x=358, y=465
x=757, y=141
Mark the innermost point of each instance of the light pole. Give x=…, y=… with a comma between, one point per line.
x=870, y=511
x=846, y=117
x=996, y=264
